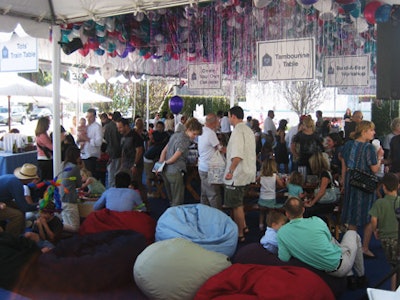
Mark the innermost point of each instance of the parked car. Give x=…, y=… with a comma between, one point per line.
x=18, y=114
x=39, y=112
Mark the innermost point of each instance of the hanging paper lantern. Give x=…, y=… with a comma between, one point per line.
x=261, y=3
x=176, y=104
x=323, y=5
x=308, y=2
x=99, y=52
x=382, y=14
x=370, y=10
x=107, y=70
x=345, y=1
x=84, y=51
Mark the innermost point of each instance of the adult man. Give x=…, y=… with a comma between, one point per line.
x=395, y=126
x=309, y=240
x=225, y=125
x=269, y=126
x=92, y=148
x=318, y=122
x=350, y=127
x=240, y=167
x=208, y=143
x=131, y=150
x=113, y=140
x=13, y=204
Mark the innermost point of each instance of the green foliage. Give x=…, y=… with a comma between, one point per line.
x=210, y=104
x=382, y=114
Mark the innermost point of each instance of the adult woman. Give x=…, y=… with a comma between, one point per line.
x=281, y=152
x=320, y=203
x=255, y=126
x=360, y=154
x=44, y=148
x=174, y=155
x=333, y=146
x=304, y=144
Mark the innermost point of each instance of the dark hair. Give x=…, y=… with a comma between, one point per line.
x=122, y=180
x=294, y=207
x=92, y=111
x=123, y=121
x=194, y=125
x=237, y=111
x=336, y=138
x=391, y=181
x=161, y=123
x=275, y=216
x=116, y=116
x=72, y=154
x=103, y=116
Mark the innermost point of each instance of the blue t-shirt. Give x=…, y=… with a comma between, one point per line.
x=294, y=190
x=12, y=188
x=120, y=199
x=270, y=241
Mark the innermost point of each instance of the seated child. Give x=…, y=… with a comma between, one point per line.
x=47, y=228
x=94, y=186
x=294, y=185
x=81, y=136
x=122, y=197
x=384, y=221
x=275, y=220
x=269, y=181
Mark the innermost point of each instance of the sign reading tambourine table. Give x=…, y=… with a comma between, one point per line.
x=350, y=70
x=286, y=59
x=19, y=54
x=204, y=76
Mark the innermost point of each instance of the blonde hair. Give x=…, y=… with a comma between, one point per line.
x=268, y=167
x=296, y=178
x=308, y=122
x=362, y=126
x=395, y=124
x=86, y=173
x=275, y=216
x=318, y=163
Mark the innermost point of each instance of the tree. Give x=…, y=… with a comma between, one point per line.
x=303, y=97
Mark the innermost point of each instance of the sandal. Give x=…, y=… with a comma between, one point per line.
x=246, y=230
x=241, y=239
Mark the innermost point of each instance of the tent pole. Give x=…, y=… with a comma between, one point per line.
x=56, y=99
x=147, y=103
x=9, y=113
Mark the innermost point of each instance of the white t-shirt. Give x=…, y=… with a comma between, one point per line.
x=206, y=146
x=268, y=187
x=269, y=126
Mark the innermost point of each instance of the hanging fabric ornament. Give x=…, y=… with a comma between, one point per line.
x=108, y=71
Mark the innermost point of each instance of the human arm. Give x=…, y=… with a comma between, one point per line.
x=174, y=157
x=380, y=153
x=322, y=189
x=280, y=184
x=234, y=163
x=374, y=224
x=283, y=252
x=101, y=202
x=138, y=157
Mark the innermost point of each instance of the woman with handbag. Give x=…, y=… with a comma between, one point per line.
x=326, y=195
x=360, y=162
x=44, y=148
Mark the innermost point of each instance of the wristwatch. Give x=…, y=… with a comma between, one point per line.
x=230, y=171
x=134, y=165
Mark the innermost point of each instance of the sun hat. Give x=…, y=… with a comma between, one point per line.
x=27, y=171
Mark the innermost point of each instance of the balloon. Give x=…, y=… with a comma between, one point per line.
x=369, y=11
x=176, y=104
x=308, y=2
x=345, y=1
x=84, y=51
x=382, y=14
x=261, y=3
x=323, y=5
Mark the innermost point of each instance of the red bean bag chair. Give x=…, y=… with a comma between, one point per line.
x=255, y=253
x=89, y=263
x=105, y=219
x=246, y=282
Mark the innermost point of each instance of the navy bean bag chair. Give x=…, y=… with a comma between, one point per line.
x=264, y=282
x=105, y=219
x=206, y=226
x=93, y=262
x=255, y=253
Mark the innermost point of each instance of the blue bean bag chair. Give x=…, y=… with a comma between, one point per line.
x=204, y=225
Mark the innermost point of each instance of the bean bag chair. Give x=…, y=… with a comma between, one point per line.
x=176, y=269
x=16, y=253
x=105, y=219
x=255, y=253
x=204, y=225
x=93, y=262
x=265, y=282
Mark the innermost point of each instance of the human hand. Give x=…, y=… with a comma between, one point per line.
x=3, y=205
x=308, y=203
x=376, y=234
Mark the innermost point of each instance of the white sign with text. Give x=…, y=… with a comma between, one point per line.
x=19, y=54
x=286, y=60
x=204, y=76
x=351, y=70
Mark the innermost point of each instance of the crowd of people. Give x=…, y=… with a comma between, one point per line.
x=272, y=156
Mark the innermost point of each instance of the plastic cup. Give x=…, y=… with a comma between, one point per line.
x=377, y=144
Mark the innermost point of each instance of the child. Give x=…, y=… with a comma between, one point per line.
x=294, y=186
x=275, y=220
x=82, y=133
x=94, y=186
x=384, y=221
x=269, y=181
x=47, y=228
x=122, y=197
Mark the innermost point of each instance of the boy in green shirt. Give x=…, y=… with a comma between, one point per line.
x=384, y=221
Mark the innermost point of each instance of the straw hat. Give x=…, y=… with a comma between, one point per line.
x=27, y=171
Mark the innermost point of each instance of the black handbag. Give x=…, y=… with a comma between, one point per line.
x=363, y=180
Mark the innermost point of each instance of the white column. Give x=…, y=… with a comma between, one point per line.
x=56, y=99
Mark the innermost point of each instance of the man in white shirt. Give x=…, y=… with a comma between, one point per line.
x=91, y=150
x=208, y=143
x=269, y=126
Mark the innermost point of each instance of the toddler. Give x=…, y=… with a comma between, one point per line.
x=275, y=220
x=269, y=181
x=294, y=185
x=82, y=133
x=94, y=186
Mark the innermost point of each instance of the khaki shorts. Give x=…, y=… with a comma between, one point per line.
x=233, y=195
x=389, y=246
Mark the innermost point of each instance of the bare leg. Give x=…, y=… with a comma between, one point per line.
x=238, y=217
x=367, y=239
